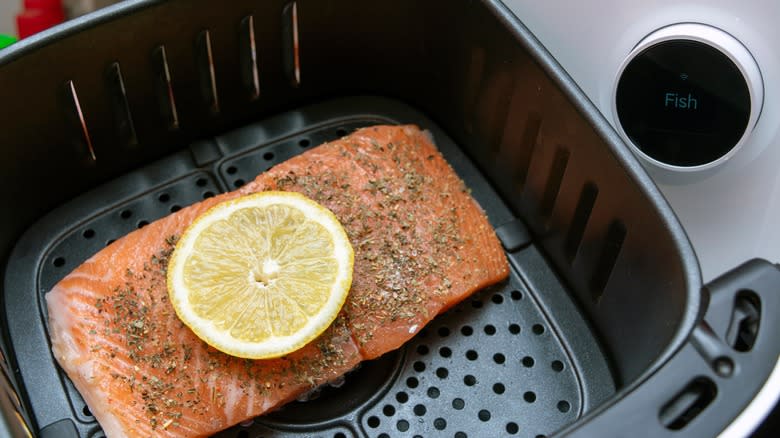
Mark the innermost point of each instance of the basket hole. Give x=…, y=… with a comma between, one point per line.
x=564, y=406
x=304, y=143
x=540, y=436
x=142, y=223
x=164, y=197
x=89, y=233
x=528, y=361
x=339, y=435
x=490, y=330
x=383, y=435
x=440, y=423
x=512, y=428
x=442, y=372
x=516, y=295
x=175, y=208
x=86, y=411
x=538, y=329
x=388, y=410
x=373, y=422
x=472, y=355
x=419, y=366
x=422, y=350
x=557, y=366
x=499, y=358
x=469, y=380
x=201, y=182
x=402, y=425
x=498, y=299
x=207, y=195
x=443, y=332
x=499, y=388
x=514, y=329
x=412, y=382
x=445, y=352
x=461, y=435
x=230, y=170
x=458, y=404
x=402, y=397
x=125, y=214
x=419, y=410
x=433, y=392
x=268, y=156
x=238, y=183
x=484, y=415
x=477, y=304
x=466, y=330
x=529, y=396
x=341, y=132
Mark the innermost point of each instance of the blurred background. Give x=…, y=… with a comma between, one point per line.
x=8, y=10
x=21, y=18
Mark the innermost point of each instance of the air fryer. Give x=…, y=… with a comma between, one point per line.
x=603, y=328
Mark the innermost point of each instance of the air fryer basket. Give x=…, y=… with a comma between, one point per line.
x=123, y=116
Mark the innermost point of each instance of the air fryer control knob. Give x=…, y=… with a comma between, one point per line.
x=688, y=96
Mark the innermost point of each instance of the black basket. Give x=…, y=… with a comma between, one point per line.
x=121, y=117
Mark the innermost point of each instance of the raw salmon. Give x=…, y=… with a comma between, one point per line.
x=421, y=242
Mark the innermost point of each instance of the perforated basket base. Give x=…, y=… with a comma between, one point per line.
x=500, y=363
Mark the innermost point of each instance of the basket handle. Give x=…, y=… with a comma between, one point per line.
x=726, y=378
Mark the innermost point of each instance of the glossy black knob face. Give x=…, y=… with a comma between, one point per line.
x=683, y=103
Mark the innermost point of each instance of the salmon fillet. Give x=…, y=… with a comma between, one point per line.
x=421, y=242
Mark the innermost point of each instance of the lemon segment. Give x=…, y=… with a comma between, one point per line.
x=262, y=275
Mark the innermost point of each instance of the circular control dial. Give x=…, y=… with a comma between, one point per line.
x=688, y=96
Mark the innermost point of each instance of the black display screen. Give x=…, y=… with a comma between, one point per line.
x=683, y=103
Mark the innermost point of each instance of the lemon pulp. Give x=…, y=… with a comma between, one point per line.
x=262, y=275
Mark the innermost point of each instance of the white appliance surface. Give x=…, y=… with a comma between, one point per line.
x=732, y=212
x=8, y=11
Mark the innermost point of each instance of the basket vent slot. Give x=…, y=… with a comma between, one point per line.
x=165, y=96
x=554, y=180
x=616, y=235
x=76, y=115
x=527, y=145
x=250, y=73
x=688, y=404
x=205, y=66
x=290, y=43
x=580, y=220
x=121, y=109
x=475, y=71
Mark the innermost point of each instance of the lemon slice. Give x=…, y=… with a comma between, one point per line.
x=262, y=275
